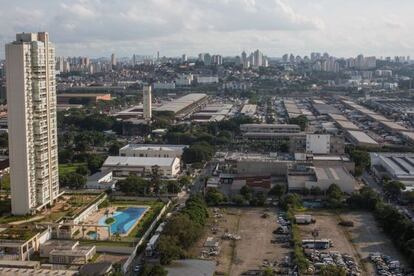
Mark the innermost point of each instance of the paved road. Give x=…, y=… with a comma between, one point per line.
x=198, y=182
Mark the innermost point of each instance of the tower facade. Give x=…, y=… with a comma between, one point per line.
x=147, y=102
x=31, y=101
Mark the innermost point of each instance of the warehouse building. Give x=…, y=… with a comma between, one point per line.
x=322, y=177
x=360, y=138
x=152, y=150
x=396, y=166
x=185, y=105
x=123, y=166
x=249, y=110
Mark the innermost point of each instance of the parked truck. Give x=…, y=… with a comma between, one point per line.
x=304, y=219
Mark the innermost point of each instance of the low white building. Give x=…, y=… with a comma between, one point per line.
x=152, y=150
x=184, y=80
x=101, y=181
x=123, y=166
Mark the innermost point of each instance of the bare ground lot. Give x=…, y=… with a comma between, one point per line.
x=248, y=253
x=367, y=238
x=328, y=228
x=358, y=241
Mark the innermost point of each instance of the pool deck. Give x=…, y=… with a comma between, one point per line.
x=103, y=232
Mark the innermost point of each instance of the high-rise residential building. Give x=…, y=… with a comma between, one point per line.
x=31, y=100
x=113, y=59
x=217, y=59
x=258, y=58
x=147, y=102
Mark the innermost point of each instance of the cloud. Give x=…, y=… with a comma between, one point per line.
x=98, y=27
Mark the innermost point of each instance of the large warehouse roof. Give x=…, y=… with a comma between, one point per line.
x=361, y=137
x=181, y=103
x=124, y=161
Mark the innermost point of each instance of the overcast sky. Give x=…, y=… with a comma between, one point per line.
x=100, y=27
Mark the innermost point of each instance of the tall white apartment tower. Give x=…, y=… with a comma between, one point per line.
x=31, y=100
x=147, y=102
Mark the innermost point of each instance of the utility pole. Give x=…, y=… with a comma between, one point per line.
x=315, y=234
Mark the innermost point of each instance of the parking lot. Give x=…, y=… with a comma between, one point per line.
x=254, y=247
x=368, y=238
x=328, y=228
x=360, y=241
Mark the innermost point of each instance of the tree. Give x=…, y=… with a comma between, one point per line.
x=315, y=190
x=393, y=189
x=365, y=198
x=133, y=185
x=156, y=178
x=291, y=200
x=72, y=180
x=199, y=152
x=362, y=160
x=246, y=192
x=173, y=187
x=184, y=181
x=65, y=156
x=168, y=249
x=5, y=182
x=259, y=199
x=114, y=148
x=277, y=191
x=82, y=170
x=238, y=199
x=301, y=121
x=4, y=140
x=95, y=162
x=334, y=196
x=214, y=197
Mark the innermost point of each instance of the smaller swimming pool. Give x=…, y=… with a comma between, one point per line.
x=124, y=220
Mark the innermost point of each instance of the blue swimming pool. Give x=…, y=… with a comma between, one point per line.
x=124, y=219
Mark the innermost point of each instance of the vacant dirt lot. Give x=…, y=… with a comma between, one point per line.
x=327, y=225
x=248, y=253
x=368, y=238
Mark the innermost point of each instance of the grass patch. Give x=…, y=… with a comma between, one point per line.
x=65, y=169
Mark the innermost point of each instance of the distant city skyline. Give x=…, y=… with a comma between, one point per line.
x=98, y=28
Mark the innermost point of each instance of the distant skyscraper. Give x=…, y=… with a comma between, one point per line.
x=258, y=58
x=147, y=102
x=31, y=100
x=217, y=59
x=184, y=58
x=113, y=60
